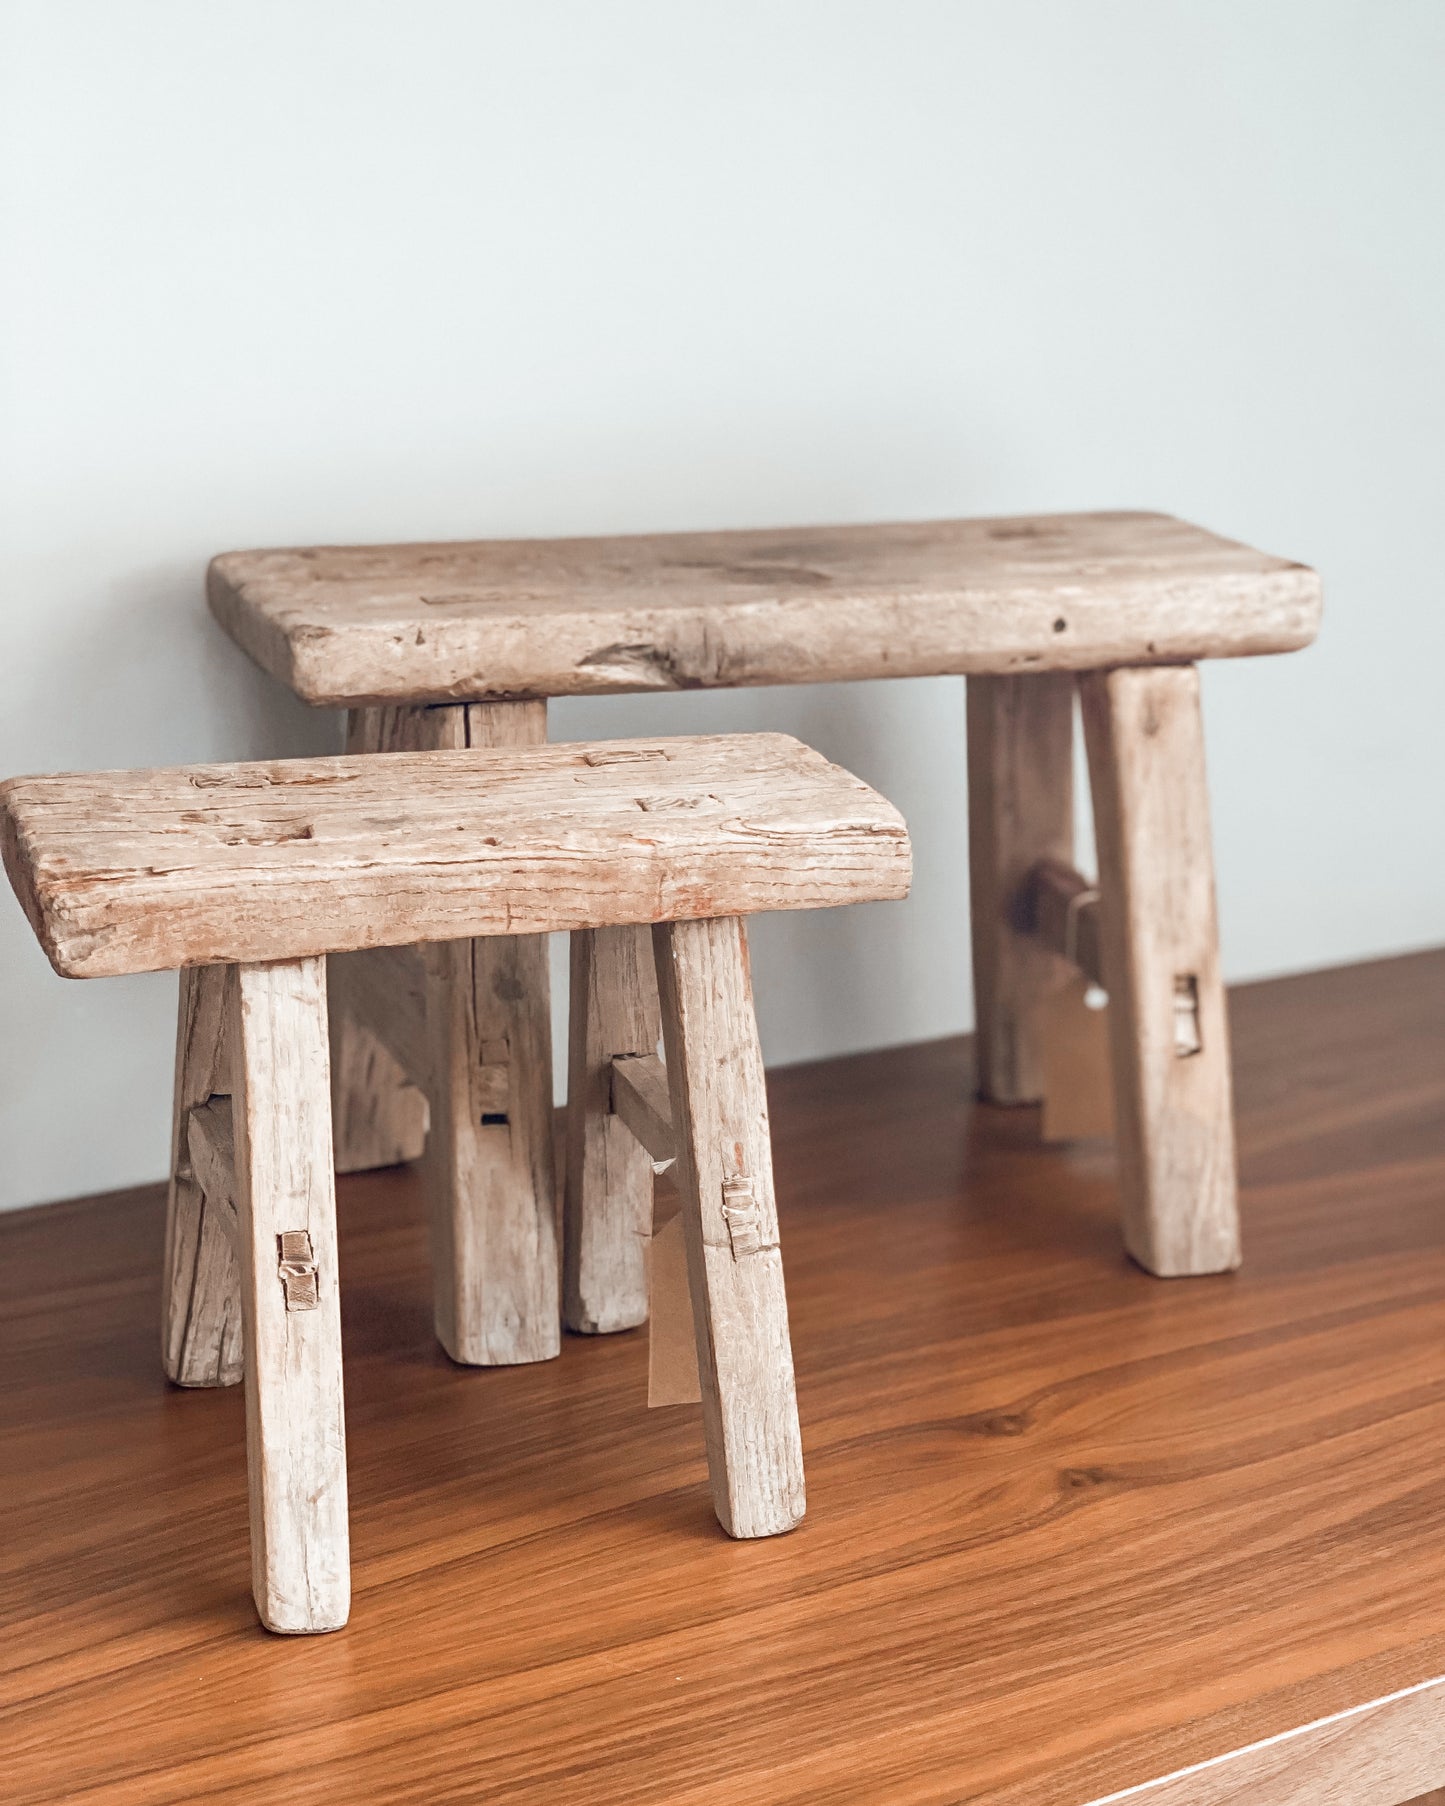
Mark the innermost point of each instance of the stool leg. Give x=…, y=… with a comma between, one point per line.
x=378, y=1116
x=489, y=1167
x=201, y=1310
x=735, y=1268
x=1160, y=954
x=1020, y=809
x=607, y=1215
x=286, y=1233
x=489, y=1163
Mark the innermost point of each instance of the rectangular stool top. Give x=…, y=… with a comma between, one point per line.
x=680, y=611
x=141, y=871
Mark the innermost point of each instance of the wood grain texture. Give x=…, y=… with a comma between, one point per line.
x=144, y=871
x=1159, y=948
x=1069, y=1531
x=1020, y=810
x=384, y=992
x=200, y=1281
x=378, y=1116
x=608, y=1200
x=379, y=1112
x=295, y=1428
x=640, y=1097
x=1060, y=907
x=724, y=1178
x=211, y=1138
x=490, y=1161
x=678, y=611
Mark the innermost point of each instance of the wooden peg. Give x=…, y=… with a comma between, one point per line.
x=743, y=1212
x=296, y=1265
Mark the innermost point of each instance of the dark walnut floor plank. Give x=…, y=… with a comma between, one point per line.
x=1070, y=1529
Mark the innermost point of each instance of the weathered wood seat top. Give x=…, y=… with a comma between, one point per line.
x=678, y=611
x=137, y=871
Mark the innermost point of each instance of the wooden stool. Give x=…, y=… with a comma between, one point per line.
x=247, y=876
x=462, y=644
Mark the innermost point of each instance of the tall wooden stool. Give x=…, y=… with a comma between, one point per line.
x=247, y=876
x=463, y=643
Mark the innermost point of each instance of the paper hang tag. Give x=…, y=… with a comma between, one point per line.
x=671, y=1346
x=1073, y=1043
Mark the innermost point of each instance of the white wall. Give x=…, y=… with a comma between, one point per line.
x=278, y=271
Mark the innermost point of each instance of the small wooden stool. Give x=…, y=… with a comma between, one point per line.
x=462, y=644
x=247, y=876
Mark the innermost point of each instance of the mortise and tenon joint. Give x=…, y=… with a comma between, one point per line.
x=296, y=1264
x=743, y=1213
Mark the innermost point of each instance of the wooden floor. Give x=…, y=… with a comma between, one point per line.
x=1070, y=1529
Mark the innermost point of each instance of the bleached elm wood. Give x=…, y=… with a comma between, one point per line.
x=211, y=1139
x=724, y=1177
x=384, y=991
x=1060, y=907
x=490, y=1161
x=640, y=1098
x=608, y=1195
x=385, y=987
x=201, y=1303
x=212, y=1142
x=378, y=1113
x=295, y=1428
x=1020, y=810
x=140, y=871
x=679, y=611
x=1159, y=951
x=379, y=1052
x=378, y=1116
